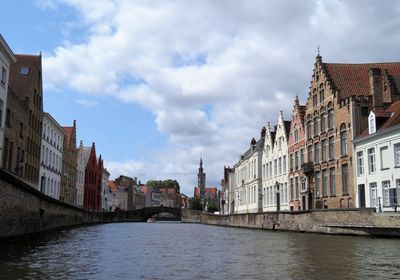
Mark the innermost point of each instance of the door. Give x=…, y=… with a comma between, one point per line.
x=361, y=195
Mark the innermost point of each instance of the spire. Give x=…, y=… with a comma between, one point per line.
x=201, y=162
x=318, y=58
x=296, y=100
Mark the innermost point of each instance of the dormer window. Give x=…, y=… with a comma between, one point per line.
x=371, y=123
x=24, y=71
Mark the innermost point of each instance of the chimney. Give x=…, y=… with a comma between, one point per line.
x=375, y=85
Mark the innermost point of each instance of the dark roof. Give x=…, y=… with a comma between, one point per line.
x=21, y=84
x=353, y=79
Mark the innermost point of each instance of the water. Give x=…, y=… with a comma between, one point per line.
x=194, y=251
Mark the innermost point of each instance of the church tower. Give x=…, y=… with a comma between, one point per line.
x=201, y=180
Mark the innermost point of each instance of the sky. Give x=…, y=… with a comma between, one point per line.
x=159, y=84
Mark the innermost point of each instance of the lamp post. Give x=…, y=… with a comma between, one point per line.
x=278, y=203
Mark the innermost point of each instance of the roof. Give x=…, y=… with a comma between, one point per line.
x=113, y=186
x=392, y=116
x=353, y=79
x=21, y=84
x=7, y=50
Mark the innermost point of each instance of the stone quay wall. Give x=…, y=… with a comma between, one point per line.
x=331, y=221
x=25, y=210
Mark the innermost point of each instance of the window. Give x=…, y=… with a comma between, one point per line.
x=309, y=128
x=373, y=190
x=330, y=118
x=317, y=183
x=309, y=152
x=325, y=182
x=364, y=111
x=321, y=93
x=371, y=160
x=316, y=123
x=1, y=112
x=291, y=189
x=360, y=163
x=280, y=165
x=291, y=162
x=21, y=130
x=24, y=71
x=296, y=187
x=345, y=178
x=296, y=160
x=296, y=136
x=323, y=122
x=301, y=156
x=371, y=123
x=316, y=154
x=343, y=140
x=8, y=118
x=331, y=148
x=384, y=153
x=396, y=149
x=3, y=76
x=389, y=194
x=284, y=164
x=324, y=149
x=332, y=181
x=315, y=99
x=275, y=167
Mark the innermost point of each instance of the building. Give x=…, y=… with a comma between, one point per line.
x=53, y=136
x=119, y=197
x=340, y=98
x=275, y=166
x=7, y=58
x=93, y=180
x=298, y=193
x=129, y=185
x=69, y=159
x=226, y=190
x=185, y=201
x=377, y=158
x=207, y=195
x=105, y=191
x=25, y=84
x=248, y=181
x=82, y=158
x=152, y=196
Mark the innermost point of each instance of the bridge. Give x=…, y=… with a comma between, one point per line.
x=139, y=215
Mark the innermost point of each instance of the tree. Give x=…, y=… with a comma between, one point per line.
x=212, y=207
x=195, y=204
x=169, y=183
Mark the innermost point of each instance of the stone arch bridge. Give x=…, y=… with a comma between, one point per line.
x=139, y=215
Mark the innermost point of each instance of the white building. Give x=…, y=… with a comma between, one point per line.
x=247, y=179
x=119, y=200
x=82, y=159
x=275, y=167
x=7, y=57
x=377, y=157
x=51, y=156
x=106, y=196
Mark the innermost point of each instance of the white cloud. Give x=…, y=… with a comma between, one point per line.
x=86, y=103
x=246, y=60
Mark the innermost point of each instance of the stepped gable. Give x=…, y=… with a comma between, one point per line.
x=353, y=79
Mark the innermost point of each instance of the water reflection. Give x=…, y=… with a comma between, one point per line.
x=192, y=251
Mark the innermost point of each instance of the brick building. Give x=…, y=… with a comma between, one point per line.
x=298, y=193
x=93, y=180
x=338, y=104
x=69, y=159
x=26, y=85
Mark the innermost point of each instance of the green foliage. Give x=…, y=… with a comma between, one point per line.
x=195, y=204
x=169, y=183
x=212, y=207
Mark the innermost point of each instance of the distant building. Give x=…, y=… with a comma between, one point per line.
x=51, y=157
x=184, y=201
x=119, y=197
x=152, y=196
x=93, y=181
x=7, y=58
x=225, y=200
x=82, y=158
x=207, y=195
x=68, y=176
x=377, y=158
x=105, y=191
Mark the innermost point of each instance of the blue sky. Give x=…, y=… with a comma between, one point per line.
x=157, y=84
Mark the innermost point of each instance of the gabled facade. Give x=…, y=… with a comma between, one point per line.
x=338, y=104
x=93, y=180
x=70, y=154
x=82, y=158
x=26, y=84
x=248, y=178
x=275, y=188
x=53, y=136
x=7, y=58
x=377, y=157
x=298, y=198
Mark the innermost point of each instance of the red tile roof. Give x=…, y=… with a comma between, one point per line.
x=68, y=131
x=113, y=186
x=353, y=79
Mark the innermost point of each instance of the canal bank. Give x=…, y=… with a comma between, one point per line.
x=331, y=221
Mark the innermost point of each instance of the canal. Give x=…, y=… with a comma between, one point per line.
x=195, y=251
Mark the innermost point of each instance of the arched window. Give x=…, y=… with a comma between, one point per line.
x=321, y=93
x=323, y=120
x=330, y=116
x=343, y=140
x=316, y=124
x=309, y=127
